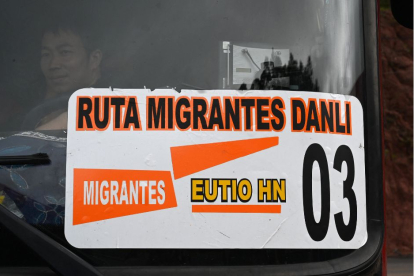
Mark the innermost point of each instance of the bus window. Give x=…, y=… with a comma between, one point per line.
x=52, y=49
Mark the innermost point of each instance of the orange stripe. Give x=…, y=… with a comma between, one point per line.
x=236, y=209
x=190, y=159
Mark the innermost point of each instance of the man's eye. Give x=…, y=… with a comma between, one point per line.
x=65, y=52
x=44, y=54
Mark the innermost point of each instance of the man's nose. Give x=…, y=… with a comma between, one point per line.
x=55, y=62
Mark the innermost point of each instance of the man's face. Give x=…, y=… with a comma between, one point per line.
x=65, y=63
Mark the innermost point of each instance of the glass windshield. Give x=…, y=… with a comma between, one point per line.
x=57, y=49
x=51, y=49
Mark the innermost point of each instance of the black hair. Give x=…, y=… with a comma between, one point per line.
x=78, y=23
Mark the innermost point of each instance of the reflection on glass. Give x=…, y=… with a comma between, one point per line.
x=185, y=44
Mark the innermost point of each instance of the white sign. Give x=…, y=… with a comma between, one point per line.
x=248, y=62
x=215, y=169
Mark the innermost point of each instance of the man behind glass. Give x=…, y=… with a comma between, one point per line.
x=69, y=61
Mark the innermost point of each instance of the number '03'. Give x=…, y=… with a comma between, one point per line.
x=318, y=230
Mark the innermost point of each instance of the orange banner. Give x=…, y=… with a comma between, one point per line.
x=190, y=159
x=100, y=194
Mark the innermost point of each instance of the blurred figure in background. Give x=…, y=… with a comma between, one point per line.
x=69, y=61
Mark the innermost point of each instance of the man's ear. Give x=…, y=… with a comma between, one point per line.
x=95, y=59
